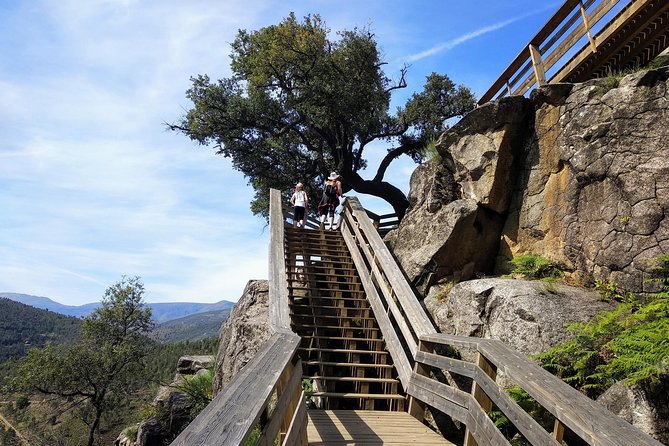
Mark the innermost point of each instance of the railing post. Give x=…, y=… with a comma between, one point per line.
x=584, y=15
x=479, y=395
x=416, y=406
x=558, y=430
x=537, y=65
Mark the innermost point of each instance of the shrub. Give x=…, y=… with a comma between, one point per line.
x=533, y=266
x=627, y=343
x=198, y=390
x=611, y=291
x=430, y=151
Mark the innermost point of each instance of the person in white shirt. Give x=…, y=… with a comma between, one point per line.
x=301, y=202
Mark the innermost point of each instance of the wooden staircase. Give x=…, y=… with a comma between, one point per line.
x=342, y=349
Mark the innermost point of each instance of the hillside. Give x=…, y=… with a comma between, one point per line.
x=161, y=312
x=23, y=326
x=193, y=327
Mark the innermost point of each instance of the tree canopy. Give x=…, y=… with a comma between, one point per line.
x=104, y=365
x=300, y=104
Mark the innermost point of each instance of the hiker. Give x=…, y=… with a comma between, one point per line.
x=330, y=200
x=300, y=201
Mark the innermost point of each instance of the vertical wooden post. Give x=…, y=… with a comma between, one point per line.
x=537, y=65
x=584, y=15
x=558, y=430
x=479, y=395
x=416, y=406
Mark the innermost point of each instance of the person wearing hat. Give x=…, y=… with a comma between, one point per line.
x=330, y=200
x=300, y=200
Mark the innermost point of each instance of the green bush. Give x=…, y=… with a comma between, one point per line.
x=430, y=151
x=533, y=266
x=611, y=291
x=627, y=343
x=198, y=390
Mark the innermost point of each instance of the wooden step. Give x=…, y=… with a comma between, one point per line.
x=333, y=327
x=333, y=298
x=348, y=364
x=343, y=350
x=326, y=307
x=369, y=427
x=290, y=287
x=351, y=379
x=308, y=273
x=381, y=396
x=343, y=338
x=292, y=264
x=332, y=316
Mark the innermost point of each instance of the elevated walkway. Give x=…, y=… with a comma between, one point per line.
x=354, y=360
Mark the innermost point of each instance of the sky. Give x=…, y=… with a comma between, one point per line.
x=92, y=185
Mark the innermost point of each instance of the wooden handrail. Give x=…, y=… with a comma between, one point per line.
x=411, y=339
x=276, y=370
x=551, y=45
x=583, y=416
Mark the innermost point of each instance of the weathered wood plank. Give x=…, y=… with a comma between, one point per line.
x=483, y=429
x=527, y=426
x=393, y=343
x=452, y=365
x=449, y=400
x=414, y=312
x=458, y=341
x=229, y=418
x=287, y=397
x=297, y=431
x=584, y=417
x=279, y=317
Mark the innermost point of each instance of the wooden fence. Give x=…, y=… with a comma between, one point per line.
x=411, y=340
x=569, y=26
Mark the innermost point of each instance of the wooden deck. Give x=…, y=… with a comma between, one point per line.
x=367, y=427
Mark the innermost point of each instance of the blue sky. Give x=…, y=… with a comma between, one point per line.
x=92, y=187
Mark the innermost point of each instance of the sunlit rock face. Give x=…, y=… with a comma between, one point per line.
x=578, y=174
x=243, y=333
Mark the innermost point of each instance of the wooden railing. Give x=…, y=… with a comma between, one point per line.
x=411, y=340
x=572, y=22
x=264, y=400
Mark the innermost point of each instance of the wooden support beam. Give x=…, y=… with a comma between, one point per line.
x=584, y=15
x=537, y=65
x=478, y=393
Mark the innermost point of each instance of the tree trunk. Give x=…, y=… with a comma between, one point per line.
x=382, y=189
x=94, y=426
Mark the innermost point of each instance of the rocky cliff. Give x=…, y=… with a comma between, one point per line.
x=576, y=173
x=242, y=335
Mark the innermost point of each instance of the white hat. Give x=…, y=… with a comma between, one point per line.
x=333, y=176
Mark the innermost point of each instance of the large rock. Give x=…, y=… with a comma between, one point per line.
x=594, y=192
x=457, y=204
x=578, y=174
x=644, y=406
x=192, y=364
x=530, y=316
x=245, y=331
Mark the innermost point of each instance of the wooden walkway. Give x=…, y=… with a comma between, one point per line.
x=368, y=427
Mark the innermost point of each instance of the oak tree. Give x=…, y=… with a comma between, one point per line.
x=300, y=104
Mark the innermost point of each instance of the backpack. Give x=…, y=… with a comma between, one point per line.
x=330, y=189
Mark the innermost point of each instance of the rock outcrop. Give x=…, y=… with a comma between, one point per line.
x=578, y=174
x=643, y=406
x=245, y=331
x=173, y=408
x=529, y=316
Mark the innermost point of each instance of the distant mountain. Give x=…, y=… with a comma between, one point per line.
x=161, y=312
x=191, y=328
x=24, y=326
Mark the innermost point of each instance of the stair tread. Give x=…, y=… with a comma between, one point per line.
x=329, y=307
x=352, y=378
x=392, y=396
x=347, y=364
x=343, y=350
x=339, y=327
x=343, y=338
